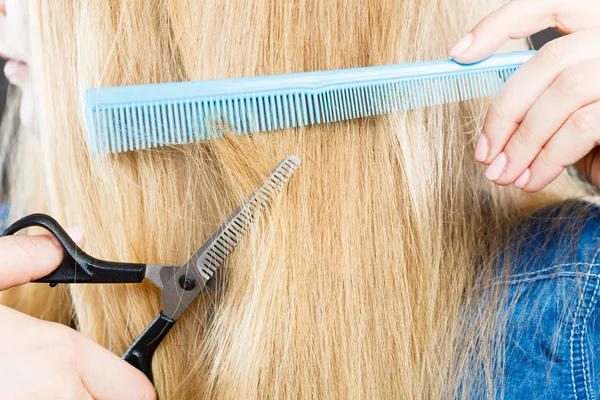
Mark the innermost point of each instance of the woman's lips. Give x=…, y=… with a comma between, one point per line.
x=15, y=72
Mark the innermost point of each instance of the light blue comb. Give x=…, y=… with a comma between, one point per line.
x=145, y=116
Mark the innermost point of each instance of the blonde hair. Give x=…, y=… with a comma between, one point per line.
x=362, y=281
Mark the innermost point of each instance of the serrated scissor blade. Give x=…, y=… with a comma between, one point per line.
x=203, y=264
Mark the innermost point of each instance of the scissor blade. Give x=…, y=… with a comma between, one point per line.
x=191, y=278
x=160, y=274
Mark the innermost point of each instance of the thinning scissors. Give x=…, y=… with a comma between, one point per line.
x=179, y=285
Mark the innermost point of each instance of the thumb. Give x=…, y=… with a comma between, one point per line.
x=26, y=258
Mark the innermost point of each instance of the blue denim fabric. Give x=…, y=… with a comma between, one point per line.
x=4, y=210
x=553, y=332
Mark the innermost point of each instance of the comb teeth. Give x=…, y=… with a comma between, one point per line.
x=230, y=233
x=132, y=118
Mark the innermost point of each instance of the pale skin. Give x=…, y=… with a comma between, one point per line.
x=46, y=360
x=547, y=116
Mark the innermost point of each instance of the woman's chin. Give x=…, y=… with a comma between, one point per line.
x=17, y=73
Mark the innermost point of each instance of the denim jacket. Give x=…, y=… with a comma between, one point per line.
x=4, y=210
x=552, y=347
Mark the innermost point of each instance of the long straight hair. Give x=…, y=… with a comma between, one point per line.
x=363, y=280
x=9, y=126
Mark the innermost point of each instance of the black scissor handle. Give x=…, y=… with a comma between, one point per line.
x=142, y=350
x=77, y=266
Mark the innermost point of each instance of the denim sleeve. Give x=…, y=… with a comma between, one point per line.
x=553, y=331
x=4, y=210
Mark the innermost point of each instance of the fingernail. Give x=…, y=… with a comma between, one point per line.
x=481, y=148
x=496, y=168
x=523, y=179
x=75, y=233
x=462, y=45
x=55, y=241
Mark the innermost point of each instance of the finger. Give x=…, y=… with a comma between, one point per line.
x=590, y=166
x=509, y=107
x=107, y=376
x=522, y=18
x=576, y=138
x=576, y=87
x=26, y=258
x=104, y=375
x=51, y=381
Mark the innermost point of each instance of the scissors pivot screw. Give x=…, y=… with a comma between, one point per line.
x=187, y=282
x=194, y=276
